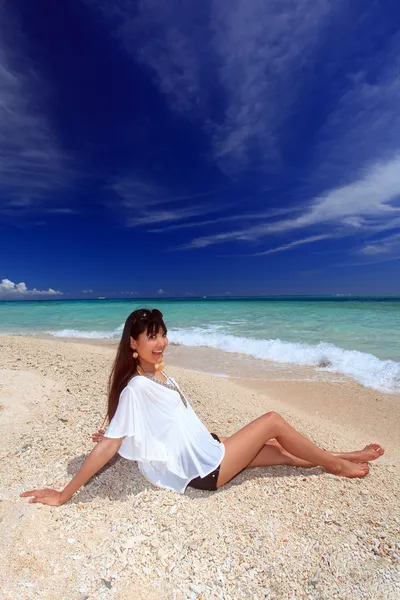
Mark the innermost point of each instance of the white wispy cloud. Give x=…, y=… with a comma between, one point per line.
x=164, y=216
x=242, y=216
x=301, y=242
x=10, y=289
x=250, y=51
x=363, y=125
x=368, y=203
x=32, y=165
x=371, y=200
x=166, y=37
x=134, y=192
x=258, y=60
x=386, y=245
x=146, y=203
x=187, y=225
x=371, y=261
x=261, y=47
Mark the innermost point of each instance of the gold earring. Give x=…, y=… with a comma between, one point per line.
x=135, y=354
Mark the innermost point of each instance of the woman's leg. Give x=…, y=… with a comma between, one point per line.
x=272, y=453
x=243, y=446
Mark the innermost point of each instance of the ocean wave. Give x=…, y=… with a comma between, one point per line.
x=370, y=371
x=90, y=335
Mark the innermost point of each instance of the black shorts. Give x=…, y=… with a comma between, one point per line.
x=209, y=482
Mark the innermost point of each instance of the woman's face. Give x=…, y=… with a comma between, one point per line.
x=150, y=347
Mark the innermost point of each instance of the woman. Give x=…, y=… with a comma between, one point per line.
x=151, y=421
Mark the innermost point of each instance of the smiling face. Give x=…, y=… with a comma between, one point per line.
x=150, y=347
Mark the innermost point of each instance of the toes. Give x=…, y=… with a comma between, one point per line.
x=376, y=448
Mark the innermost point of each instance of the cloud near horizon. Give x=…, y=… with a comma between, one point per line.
x=9, y=288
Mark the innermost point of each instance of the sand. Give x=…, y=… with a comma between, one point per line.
x=277, y=532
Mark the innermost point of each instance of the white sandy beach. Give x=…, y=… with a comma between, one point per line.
x=276, y=533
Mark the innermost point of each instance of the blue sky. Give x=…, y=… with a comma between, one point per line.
x=192, y=148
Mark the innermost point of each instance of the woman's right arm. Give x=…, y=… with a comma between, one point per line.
x=99, y=456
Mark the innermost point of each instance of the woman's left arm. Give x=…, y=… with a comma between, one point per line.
x=99, y=456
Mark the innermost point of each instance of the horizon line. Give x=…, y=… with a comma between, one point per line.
x=206, y=297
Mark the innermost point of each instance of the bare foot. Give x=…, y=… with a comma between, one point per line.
x=345, y=468
x=370, y=452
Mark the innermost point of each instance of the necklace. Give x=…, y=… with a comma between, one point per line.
x=169, y=385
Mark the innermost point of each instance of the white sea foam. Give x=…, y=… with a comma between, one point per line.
x=383, y=375
x=92, y=335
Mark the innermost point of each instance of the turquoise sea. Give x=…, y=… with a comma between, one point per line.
x=355, y=336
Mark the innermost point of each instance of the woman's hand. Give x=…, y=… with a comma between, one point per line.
x=45, y=496
x=99, y=456
x=98, y=436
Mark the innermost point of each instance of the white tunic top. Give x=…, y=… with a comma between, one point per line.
x=166, y=438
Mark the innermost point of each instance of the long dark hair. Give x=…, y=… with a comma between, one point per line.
x=125, y=366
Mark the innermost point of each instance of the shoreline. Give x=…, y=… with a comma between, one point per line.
x=320, y=361
x=328, y=396
x=273, y=532
x=325, y=396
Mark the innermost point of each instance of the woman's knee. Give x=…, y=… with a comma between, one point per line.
x=273, y=418
x=272, y=415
